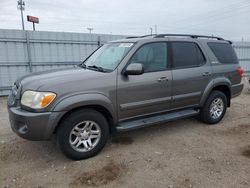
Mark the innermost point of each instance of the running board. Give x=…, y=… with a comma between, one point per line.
x=148, y=121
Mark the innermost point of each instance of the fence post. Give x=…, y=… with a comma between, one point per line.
x=28, y=50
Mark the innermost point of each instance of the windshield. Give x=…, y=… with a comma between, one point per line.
x=108, y=56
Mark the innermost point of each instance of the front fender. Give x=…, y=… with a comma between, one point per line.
x=81, y=100
x=220, y=81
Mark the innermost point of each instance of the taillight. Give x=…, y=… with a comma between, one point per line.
x=240, y=71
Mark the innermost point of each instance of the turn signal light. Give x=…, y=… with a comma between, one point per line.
x=47, y=99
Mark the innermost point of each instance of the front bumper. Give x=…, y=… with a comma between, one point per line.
x=33, y=126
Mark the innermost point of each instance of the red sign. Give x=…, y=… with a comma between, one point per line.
x=33, y=19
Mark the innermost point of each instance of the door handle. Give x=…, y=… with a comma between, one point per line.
x=162, y=79
x=206, y=74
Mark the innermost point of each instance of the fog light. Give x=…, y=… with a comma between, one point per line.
x=23, y=129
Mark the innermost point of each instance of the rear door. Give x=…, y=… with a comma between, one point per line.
x=191, y=73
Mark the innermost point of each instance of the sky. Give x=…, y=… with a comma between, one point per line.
x=225, y=18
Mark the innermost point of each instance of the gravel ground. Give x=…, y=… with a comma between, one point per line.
x=184, y=153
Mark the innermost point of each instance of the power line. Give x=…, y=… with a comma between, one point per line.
x=138, y=25
x=220, y=15
x=219, y=11
x=209, y=18
x=206, y=22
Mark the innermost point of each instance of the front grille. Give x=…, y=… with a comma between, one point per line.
x=15, y=94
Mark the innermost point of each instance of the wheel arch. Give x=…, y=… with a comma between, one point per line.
x=226, y=90
x=105, y=112
x=97, y=102
x=219, y=84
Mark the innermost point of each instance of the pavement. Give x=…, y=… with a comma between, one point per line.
x=183, y=153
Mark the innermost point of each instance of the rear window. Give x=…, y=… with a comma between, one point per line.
x=223, y=52
x=187, y=54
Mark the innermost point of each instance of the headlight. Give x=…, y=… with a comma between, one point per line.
x=37, y=100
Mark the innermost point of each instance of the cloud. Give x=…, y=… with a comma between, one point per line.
x=226, y=18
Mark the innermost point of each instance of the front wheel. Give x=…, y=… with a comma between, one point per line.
x=83, y=134
x=214, y=108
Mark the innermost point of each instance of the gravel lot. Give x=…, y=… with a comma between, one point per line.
x=184, y=153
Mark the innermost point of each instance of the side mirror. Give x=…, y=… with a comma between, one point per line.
x=134, y=69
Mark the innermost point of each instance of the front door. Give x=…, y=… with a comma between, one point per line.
x=149, y=93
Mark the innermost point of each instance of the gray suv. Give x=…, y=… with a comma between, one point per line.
x=124, y=85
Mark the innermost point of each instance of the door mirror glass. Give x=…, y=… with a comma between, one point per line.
x=134, y=69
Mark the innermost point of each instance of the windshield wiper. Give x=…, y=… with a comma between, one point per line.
x=98, y=68
x=82, y=65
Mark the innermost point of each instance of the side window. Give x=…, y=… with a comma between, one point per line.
x=186, y=54
x=223, y=52
x=153, y=56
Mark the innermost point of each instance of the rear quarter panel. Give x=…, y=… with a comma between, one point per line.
x=225, y=74
x=228, y=71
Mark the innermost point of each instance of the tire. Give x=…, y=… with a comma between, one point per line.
x=83, y=128
x=210, y=118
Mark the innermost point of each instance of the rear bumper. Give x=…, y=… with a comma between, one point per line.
x=236, y=89
x=33, y=126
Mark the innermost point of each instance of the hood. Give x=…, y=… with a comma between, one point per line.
x=49, y=80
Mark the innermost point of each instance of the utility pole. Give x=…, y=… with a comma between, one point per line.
x=151, y=31
x=90, y=29
x=21, y=7
x=155, y=29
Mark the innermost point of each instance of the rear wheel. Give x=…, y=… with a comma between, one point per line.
x=83, y=134
x=214, y=108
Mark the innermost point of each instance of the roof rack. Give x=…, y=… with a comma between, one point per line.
x=141, y=36
x=179, y=35
x=186, y=35
x=132, y=37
